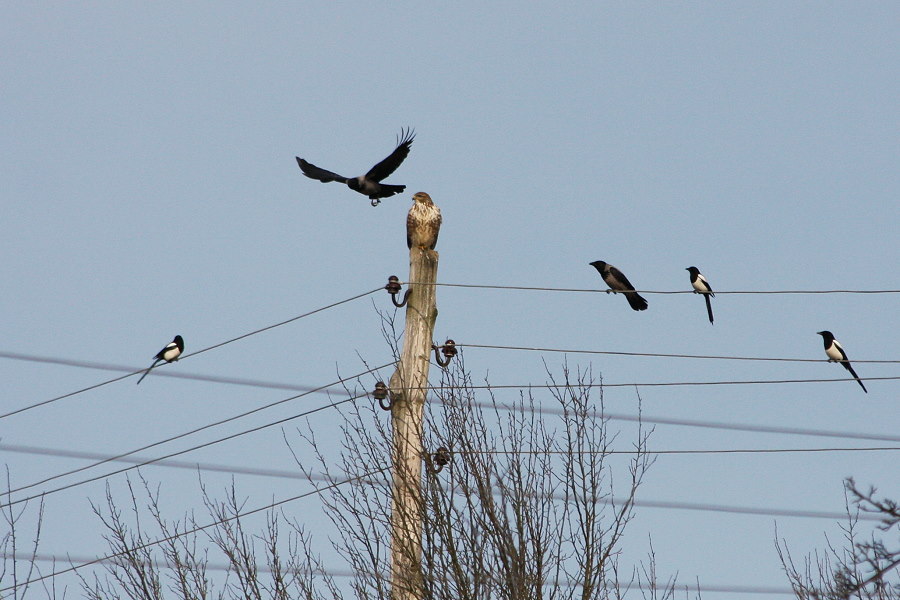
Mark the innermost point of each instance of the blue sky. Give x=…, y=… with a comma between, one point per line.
x=150, y=188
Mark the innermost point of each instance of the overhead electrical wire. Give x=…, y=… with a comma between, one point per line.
x=193, y=530
x=284, y=474
x=84, y=364
x=17, y=356
x=637, y=384
x=676, y=452
x=664, y=504
x=659, y=420
x=601, y=291
x=143, y=460
x=170, y=455
x=612, y=416
x=153, y=445
x=263, y=568
x=286, y=321
x=658, y=354
x=258, y=383
x=332, y=484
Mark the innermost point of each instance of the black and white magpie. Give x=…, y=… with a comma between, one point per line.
x=617, y=282
x=836, y=353
x=701, y=286
x=170, y=353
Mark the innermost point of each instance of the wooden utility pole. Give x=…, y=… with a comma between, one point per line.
x=408, y=390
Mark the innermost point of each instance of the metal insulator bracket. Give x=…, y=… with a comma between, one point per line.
x=448, y=350
x=393, y=287
x=440, y=459
x=381, y=394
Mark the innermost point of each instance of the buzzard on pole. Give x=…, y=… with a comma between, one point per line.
x=423, y=223
x=370, y=183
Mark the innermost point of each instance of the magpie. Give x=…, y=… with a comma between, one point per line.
x=617, y=282
x=836, y=353
x=170, y=353
x=701, y=286
x=370, y=183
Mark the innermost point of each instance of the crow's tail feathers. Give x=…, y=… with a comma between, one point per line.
x=388, y=190
x=636, y=301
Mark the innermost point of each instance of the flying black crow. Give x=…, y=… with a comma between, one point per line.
x=836, y=354
x=617, y=282
x=370, y=183
x=701, y=286
x=171, y=352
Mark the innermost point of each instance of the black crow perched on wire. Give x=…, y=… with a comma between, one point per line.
x=617, y=282
x=370, y=183
x=171, y=352
x=701, y=286
x=836, y=353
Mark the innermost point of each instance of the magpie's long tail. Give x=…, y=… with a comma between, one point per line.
x=708, y=307
x=147, y=372
x=855, y=376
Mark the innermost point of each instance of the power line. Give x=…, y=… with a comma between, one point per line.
x=262, y=568
x=259, y=383
x=611, y=416
x=751, y=428
x=318, y=490
x=600, y=291
x=661, y=420
x=333, y=484
x=662, y=504
x=675, y=452
x=285, y=322
x=659, y=355
x=84, y=364
x=662, y=383
x=16, y=356
x=658, y=420
x=142, y=460
x=244, y=414
x=611, y=501
x=284, y=474
x=180, y=452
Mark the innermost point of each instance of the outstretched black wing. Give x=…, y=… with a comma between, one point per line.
x=314, y=172
x=390, y=164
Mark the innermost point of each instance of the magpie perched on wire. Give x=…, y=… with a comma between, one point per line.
x=836, y=353
x=701, y=286
x=170, y=353
x=370, y=183
x=617, y=282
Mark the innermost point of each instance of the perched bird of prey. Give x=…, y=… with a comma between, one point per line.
x=370, y=183
x=701, y=286
x=423, y=223
x=617, y=282
x=170, y=353
x=836, y=354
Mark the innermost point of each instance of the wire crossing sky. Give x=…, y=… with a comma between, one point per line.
x=151, y=189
